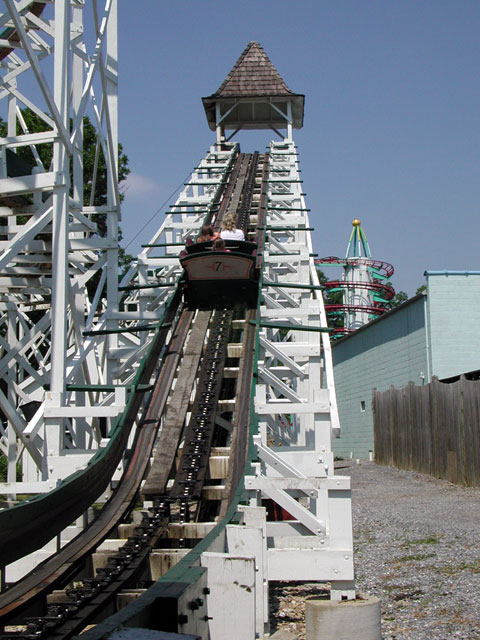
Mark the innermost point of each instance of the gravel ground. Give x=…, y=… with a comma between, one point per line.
x=417, y=548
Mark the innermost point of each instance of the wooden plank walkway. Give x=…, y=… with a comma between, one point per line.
x=169, y=437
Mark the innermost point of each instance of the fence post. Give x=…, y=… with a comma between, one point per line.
x=434, y=431
x=462, y=443
x=412, y=431
x=393, y=422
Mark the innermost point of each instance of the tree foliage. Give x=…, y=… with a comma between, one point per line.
x=399, y=298
x=89, y=151
x=336, y=320
x=4, y=467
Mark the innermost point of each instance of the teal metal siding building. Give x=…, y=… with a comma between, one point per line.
x=432, y=334
x=453, y=322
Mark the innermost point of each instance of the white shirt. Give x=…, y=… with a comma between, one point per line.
x=235, y=234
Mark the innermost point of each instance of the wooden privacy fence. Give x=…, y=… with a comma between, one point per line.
x=433, y=429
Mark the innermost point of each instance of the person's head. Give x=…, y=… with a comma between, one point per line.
x=206, y=233
x=207, y=230
x=229, y=223
x=219, y=245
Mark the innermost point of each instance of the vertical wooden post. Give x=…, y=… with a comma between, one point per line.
x=412, y=427
x=434, y=430
x=393, y=423
x=462, y=442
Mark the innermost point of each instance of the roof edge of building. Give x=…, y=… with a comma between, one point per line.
x=380, y=318
x=452, y=273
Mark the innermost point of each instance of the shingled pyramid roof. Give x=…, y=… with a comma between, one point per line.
x=258, y=92
x=253, y=75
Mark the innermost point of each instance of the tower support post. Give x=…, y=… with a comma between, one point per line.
x=61, y=245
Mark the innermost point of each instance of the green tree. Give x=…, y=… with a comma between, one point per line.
x=399, y=298
x=335, y=320
x=100, y=195
x=3, y=469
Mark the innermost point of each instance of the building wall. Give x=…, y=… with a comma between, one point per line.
x=389, y=351
x=453, y=319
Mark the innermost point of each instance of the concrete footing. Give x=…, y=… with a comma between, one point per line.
x=344, y=620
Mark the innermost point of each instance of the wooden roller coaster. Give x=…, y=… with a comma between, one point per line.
x=159, y=420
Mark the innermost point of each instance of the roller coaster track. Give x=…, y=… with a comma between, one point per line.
x=63, y=619
x=62, y=563
x=266, y=358
x=365, y=288
x=179, y=498
x=80, y=605
x=354, y=307
x=11, y=33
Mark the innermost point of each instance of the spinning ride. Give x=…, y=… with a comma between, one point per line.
x=365, y=285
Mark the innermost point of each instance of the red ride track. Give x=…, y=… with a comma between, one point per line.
x=355, y=307
x=384, y=268
x=386, y=289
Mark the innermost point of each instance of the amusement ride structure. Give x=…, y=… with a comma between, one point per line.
x=153, y=436
x=364, y=286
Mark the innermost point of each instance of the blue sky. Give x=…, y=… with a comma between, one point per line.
x=391, y=133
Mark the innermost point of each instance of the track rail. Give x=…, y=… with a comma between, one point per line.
x=183, y=502
x=385, y=290
x=62, y=564
x=237, y=197
x=192, y=469
x=27, y=526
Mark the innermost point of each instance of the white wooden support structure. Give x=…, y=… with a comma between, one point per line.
x=295, y=411
x=60, y=62
x=295, y=401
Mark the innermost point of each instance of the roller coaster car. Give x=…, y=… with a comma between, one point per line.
x=220, y=278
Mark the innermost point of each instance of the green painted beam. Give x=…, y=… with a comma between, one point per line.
x=140, y=327
x=134, y=287
x=291, y=285
x=165, y=244
x=168, y=213
x=288, y=326
x=287, y=208
x=139, y=388
x=208, y=183
x=270, y=228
